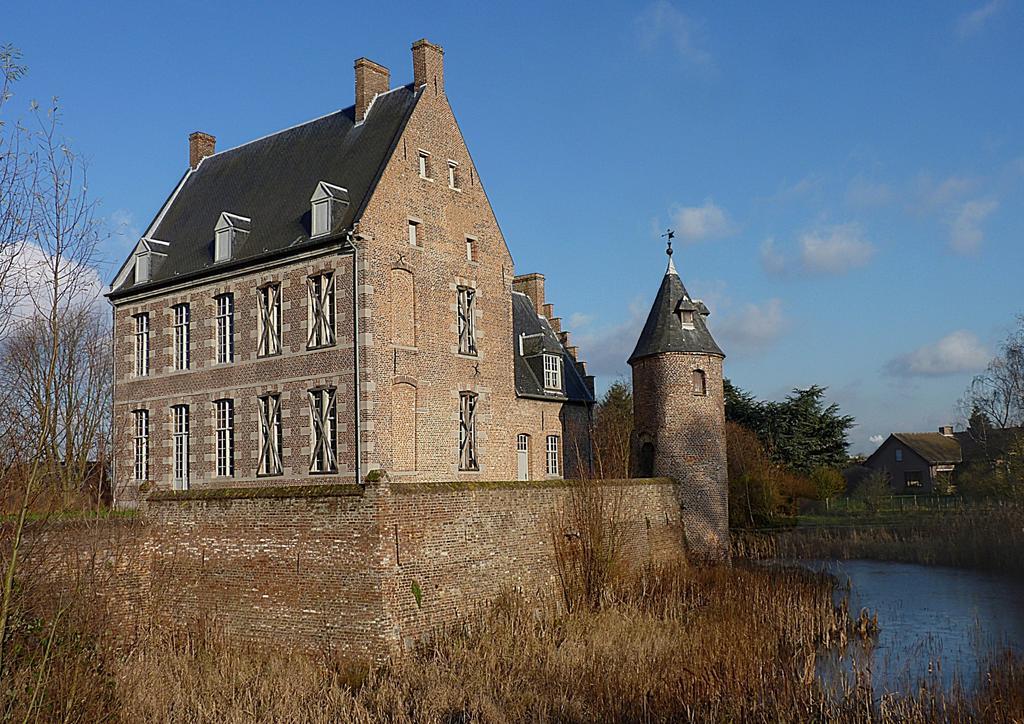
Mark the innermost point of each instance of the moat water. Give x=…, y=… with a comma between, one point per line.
x=938, y=625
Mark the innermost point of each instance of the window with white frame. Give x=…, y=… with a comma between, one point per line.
x=467, y=320
x=222, y=244
x=686, y=319
x=323, y=431
x=142, y=344
x=320, y=310
x=179, y=415
x=269, y=327
x=182, y=335
x=414, y=232
x=453, y=175
x=700, y=383
x=141, y=268
x=470, y=248
x=141, y=424
x=551, y=454
x=468, y=459
x=271, y=442
x=424, y=161
x=321, y=217
x=225, y=414
x=225, y=328
x=552, y=372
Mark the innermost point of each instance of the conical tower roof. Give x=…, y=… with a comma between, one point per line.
x=665, y=331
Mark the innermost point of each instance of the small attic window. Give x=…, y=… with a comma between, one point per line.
x=552, y=372
x=222, y=244
x=231, y=230
x=686, y=319
x=328, y=207
x=141, y=268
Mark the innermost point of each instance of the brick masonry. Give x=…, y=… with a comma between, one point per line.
x=338, y=567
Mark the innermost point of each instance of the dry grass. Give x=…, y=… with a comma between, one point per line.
x=681, y=644
x=979, y=538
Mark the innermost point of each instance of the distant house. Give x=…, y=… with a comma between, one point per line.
x=916, y=460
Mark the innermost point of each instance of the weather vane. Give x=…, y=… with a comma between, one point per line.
x=670, y=235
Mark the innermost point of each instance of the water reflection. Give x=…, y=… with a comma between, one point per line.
x=938, y=625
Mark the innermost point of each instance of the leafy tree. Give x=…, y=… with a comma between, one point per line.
x=800, y=432
x=828, y=482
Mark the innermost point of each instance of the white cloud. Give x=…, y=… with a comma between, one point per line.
x=606, y=349
x=662, y=19
x=959, y=351
x=863, y=193
x=965, y=234
x=876, y=439
x=695, y=223
x=835, y=250
x=752, y=327
x=831, y=250
x=972, y=23
x=31, y=282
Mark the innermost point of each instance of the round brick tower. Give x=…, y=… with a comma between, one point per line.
x=679, y=413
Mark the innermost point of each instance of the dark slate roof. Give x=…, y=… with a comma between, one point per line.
x=934, y=447
x=540, y=338
x=271, y=181
x=664, y=332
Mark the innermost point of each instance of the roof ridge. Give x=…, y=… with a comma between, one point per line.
x=276, y=133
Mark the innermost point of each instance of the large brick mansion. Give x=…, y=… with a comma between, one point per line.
x=335, y=298
x=346, y=419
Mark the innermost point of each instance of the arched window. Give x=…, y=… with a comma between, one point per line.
x=700, y=383
x=403, y=308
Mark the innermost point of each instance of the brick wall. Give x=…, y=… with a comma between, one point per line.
x=335, y=566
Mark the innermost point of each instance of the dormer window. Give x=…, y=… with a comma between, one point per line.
x=686, y=319
x=141, y=268
x=230, y=232
x=552, y=372
x=328, y=205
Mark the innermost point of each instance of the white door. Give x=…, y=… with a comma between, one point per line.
x=523, y=456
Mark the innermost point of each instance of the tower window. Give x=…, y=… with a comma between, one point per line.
x=700, y=383
x=467, y=432
x=686, y=318
x=552, y=372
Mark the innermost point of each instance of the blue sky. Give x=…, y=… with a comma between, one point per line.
x=846, y=180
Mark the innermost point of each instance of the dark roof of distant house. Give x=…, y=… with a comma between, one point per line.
x=541, y=338
x=271, y=181
x=934, y=447
x=664, y=331
x=993, y=443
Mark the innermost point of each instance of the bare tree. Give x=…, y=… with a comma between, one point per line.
x=56, y=233
x=997, y=394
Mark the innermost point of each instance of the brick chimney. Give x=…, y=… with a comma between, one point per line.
x=200, y=145
x=372, y=79
x=532, y=285
x=428, y=65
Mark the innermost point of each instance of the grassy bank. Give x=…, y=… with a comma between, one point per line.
x=979, y=538
x=681, y=644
